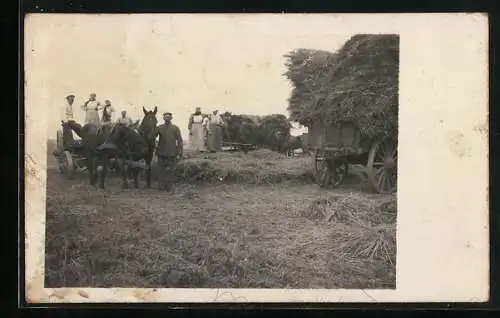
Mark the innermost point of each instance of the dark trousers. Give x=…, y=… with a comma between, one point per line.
x=166, y=167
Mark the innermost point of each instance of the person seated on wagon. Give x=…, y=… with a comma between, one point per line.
x=65, y=136
x=124, y=120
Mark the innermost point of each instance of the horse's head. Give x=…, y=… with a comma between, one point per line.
x=67, y=124
x=74, y=126
x=149, y=122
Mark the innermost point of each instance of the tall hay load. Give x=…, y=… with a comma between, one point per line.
x=358, y=85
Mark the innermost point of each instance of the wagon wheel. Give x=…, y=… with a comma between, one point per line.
x=59, y=140
x=382, y=165
x=321, y=170
x=66, y=165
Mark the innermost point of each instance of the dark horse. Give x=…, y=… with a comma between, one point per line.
x=131, y=147
x=93, y=137
x=146, y=129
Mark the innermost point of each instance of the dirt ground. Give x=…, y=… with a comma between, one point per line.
x=227, y=235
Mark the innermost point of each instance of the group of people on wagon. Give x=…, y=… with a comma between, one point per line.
x=92, y=107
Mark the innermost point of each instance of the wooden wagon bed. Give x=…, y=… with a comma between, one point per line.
x=340, y=145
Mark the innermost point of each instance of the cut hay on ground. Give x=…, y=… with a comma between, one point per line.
x=364, y=227
x=257, y=167
x=217, y=236
x=359, y=83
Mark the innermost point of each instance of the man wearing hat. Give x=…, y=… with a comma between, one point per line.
x=169, y=150
x=66, y=137
x=68, y=108
x=91, y=108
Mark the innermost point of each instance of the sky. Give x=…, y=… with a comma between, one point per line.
x=176, y=62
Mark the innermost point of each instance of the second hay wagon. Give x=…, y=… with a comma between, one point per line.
x=337, y=146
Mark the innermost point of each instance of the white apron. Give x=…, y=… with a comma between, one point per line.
x=68, y=112
x=92, y=112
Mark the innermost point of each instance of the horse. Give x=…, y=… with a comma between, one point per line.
x=93, y=137
x=145, y=130
x=130, y=145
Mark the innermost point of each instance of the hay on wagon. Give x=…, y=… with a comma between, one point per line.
x=358, y=84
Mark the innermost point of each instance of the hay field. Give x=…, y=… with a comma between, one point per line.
x=265, y=225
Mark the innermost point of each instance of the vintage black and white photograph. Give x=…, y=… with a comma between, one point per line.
x=218, y=154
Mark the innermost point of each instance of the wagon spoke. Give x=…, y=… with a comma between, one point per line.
x=388, y=182
x=394, y=152
x=382, y=150
x=393, y=177
x=381, y=179
x=379, y=157
x=379, y=171
x=393, y=180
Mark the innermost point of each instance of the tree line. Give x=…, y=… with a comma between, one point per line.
x=270, y=131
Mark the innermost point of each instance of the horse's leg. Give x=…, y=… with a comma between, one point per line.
x=148, y=171
x=136, y=177
x=92, y=169
x=148, y=175
x=125, y=174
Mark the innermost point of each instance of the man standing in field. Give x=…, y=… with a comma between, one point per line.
x=169, y=151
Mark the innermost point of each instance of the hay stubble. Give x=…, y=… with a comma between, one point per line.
x=235, y=235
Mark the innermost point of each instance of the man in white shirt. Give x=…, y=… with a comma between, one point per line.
x=68, y=108
x=124, y=119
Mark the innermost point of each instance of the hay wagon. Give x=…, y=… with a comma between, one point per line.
x=338, y=146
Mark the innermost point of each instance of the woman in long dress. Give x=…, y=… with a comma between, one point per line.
x=91, y=108
x=215, y=132
x=196, y=136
